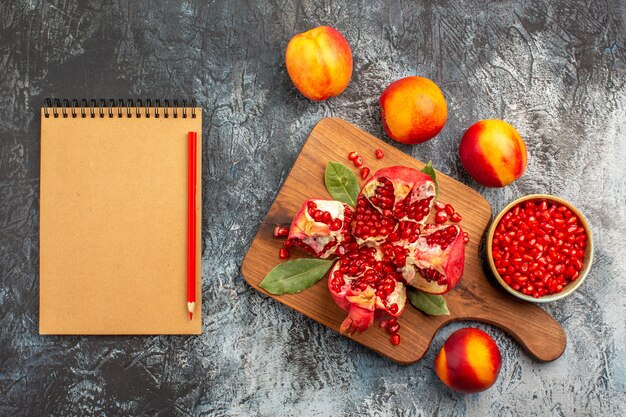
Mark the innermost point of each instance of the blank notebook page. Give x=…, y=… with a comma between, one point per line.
x=113, y=224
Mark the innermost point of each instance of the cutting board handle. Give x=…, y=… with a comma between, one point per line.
x=532, y=327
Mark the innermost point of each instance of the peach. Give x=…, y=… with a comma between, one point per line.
x=319, y=62
x=493, y=153
x=469, y=361
x=413, y=110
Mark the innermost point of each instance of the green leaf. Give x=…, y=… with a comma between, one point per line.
x=428, y=169
x=296, y=275
x=341, y=183
x=435, y=305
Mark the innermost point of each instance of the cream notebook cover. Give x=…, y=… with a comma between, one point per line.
x=113, y=220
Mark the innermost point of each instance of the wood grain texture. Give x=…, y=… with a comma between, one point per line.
x=475, y=298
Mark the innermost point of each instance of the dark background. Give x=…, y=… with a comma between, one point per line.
x=555, y=70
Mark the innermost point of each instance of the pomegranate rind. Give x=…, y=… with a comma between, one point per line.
x=408, y=182
x=359, y=319
x=407, y=175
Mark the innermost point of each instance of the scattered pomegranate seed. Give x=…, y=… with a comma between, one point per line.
x=283, y=253
x=393, y=328
x=466, y=237
x=537, y=248
x=280, y=231
x=383, y=324
x=449, y=209
x=440, y=206
x=441, y=217
x=365, y=171
x=353, y=155
x=455, y=217
x=358, y=161
x=395, y=339
x=379, y=154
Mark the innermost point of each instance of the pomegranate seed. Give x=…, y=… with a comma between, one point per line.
x=353, y=155
x=283, y=253
x=455, y=217
x=449, y=209
x=280, y=231
x=335, y=225
x=383, y=324
x=358, y=161
x=379, y=153
x=441, y=217
x=365, y=171
x=393, y=308
x=393, y=328
x=440, y=206
x=395, y=339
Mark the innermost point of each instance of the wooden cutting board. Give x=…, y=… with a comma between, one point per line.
x=475, y=298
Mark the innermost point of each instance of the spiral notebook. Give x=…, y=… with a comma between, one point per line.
x=113, y=217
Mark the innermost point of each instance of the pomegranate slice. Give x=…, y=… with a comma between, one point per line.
x=435, y=261
x=392, y=194
x=322, y=228
x=365, y=286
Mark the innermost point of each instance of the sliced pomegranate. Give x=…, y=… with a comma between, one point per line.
x=322, y=227
x=365, y=286
x=383, y=245
x=392, y=194
x=435, y=261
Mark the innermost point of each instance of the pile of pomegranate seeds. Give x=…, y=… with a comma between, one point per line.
x=539, y=247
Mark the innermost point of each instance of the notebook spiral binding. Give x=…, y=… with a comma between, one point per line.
x=92, y=108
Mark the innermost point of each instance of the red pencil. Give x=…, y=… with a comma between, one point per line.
x=191, y=223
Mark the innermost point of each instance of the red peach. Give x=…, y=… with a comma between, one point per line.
x=493, y=153
x=469, y=361
x=319, y=62
x=413, y=110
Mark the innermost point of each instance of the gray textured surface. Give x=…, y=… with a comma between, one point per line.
x=555, y=71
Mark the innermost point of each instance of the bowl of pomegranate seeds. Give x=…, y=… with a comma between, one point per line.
x=540, y=248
